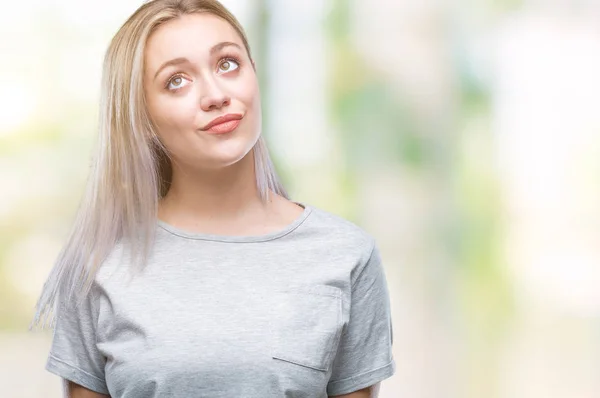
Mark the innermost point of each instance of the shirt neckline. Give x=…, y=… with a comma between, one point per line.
x=239, y=238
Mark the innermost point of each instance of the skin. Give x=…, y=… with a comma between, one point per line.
x=77, y=391
x=213, y=187
x=369, y=392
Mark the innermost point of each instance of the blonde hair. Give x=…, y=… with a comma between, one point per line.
x=131, y=171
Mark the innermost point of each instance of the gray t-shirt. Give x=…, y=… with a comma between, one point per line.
x=302, y=312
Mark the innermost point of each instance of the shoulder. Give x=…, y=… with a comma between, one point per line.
x=118, y=259
x=338, y=224
x=339, y=233
x=341, y=241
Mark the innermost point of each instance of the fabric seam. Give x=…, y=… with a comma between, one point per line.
x=240, y=239
x=361, y=374
x=366, y=265
x=75, y=367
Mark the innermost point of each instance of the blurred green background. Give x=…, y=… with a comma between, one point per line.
x=462, y=135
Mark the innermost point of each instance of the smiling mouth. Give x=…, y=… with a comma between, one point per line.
x=225, y=127
x=223, y=124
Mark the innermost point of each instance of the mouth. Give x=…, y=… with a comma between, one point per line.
x=223, y=124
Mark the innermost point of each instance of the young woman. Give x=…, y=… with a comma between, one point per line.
x=189, y=272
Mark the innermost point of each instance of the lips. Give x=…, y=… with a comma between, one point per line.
x=223, y=124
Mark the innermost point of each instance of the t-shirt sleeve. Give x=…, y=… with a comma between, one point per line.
x=364, y=355
x=73, y=354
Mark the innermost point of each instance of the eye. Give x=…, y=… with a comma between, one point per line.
x=228, y=65
x=176, y=82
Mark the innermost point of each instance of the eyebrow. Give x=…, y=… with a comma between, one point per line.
x=182, y=60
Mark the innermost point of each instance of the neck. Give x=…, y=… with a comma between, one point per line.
x=212, y=195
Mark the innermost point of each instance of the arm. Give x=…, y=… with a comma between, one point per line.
x=364, y=355
x=369, y=392
x=77, y=391
x=74, y=355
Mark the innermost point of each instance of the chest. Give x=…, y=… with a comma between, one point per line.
x=220, y=333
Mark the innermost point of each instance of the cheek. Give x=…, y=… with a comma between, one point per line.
x=173, y=120
x=172, y=114
x=245, y=89
x=252, y=93
x=250, y=96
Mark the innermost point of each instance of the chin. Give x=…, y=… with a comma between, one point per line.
x=225, y=157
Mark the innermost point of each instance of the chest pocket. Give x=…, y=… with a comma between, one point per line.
x=306, y=325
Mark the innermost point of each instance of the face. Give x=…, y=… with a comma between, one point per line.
x=197, y=71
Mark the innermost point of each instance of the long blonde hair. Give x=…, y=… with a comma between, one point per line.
x=131, y=171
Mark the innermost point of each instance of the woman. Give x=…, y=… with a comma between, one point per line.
x=189, y=272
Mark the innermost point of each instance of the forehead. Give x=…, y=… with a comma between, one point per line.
x=189, y=36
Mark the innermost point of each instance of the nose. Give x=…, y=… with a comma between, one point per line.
x=213, y=96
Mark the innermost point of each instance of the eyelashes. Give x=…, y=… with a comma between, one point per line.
x=230, y=62
x=173, y=79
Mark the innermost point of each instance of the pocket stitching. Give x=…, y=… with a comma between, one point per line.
x=333, y=341
x=321, y=290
